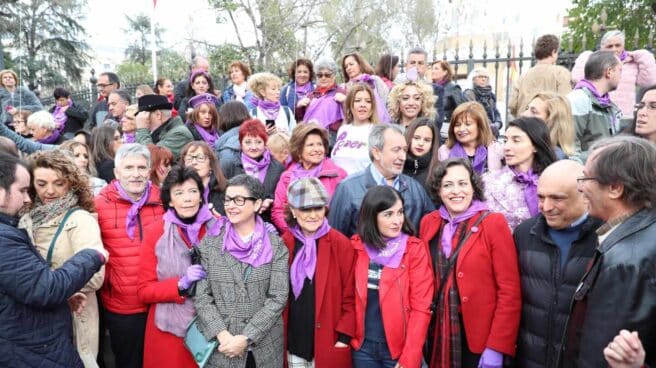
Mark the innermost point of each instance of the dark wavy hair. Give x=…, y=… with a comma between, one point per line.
x=631, y=128
x=538, y=132
x=435, y=180
x=378, y=199
x=177, y=176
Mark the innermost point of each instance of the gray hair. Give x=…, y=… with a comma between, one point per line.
x=131, y=149
x=637, y=172
x=197, y=61
x=325, y=63
x=41, y=119
x=166, y=114
x=417, y=50
x=598, y=63
x=612, y=34
x=253, y=186
x=377, y=137
x=123, y=95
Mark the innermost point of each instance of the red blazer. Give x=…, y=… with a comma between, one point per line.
x=405, y=295
x=334, y=309
x=487, y=275
x=119, y=291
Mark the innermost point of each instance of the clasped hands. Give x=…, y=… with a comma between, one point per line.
x=232, y=346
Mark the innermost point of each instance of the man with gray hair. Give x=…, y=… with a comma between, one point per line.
x=618, y=290
x=387, y=150
x=418, y=59
x=129, y=215
x=638, y=71
x=156, y=125
x=595, y=116
x=199, y=63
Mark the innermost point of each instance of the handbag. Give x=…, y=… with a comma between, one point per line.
x=51, y=248
x=199, y=347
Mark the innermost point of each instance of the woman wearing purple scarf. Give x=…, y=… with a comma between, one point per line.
x=512, y=190
x=321, y=277
x=200, y=82
x=167, y=272
x=300, y=86
x=203, y=121
x=199, y=156
x=266, y=102
x=471, y=137
x=242, y=299
x=477, y=307
x=393, y=284
x=43, y=128
x=357, y=69
x=256, y=161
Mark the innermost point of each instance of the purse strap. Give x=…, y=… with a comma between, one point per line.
x=59, y=230
x=454, y=258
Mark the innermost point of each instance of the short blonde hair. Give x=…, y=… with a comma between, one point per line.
x=278, y=142
x=259, y=81
x=8, y=71
x=41, y=119
x=427, y=100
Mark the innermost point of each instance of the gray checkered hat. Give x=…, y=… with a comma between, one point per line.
x=307, y=193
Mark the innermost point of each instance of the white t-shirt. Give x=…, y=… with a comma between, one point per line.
x=282, y=124
x=351, y=150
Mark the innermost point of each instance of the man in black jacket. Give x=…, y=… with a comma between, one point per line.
x=37, y=329
x=553, y=249
x=618, y=291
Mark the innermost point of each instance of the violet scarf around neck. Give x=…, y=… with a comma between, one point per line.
x=52, y=138
x=173, y=259
x=60, y=116
x=254, y=168
x=305, y=260
x=324, y=110
x=480, y=156
x=209, y=137
x=604, y=100
x=256, y=251
x=133, y=212
x=451, y=224
x=270, y=109
x=129, y=137
x=302, y=91
x=531, y=190
x=192, y=230
x=298, y=171
x=391, y=255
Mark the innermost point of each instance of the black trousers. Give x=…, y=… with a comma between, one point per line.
x=126, y=334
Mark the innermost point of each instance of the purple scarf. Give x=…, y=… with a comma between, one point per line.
x=60, y=116
x=623, y=55
x=256, y=252
x=209, y=137
x=133, y=212
x=191, y=230
x=52, y=138
x=480, y=156
x=442, y=82
x=324, y=110
x=391, y=255
x=270, y=109
x=531, y=191
x=305, y=260
x=302, y=91
x=254, y=168
x=451, y=224
x=603, y=100
x=298, y=171
x=129, y=137
x=381, y=106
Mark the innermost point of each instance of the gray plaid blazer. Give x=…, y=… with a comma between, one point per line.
x=251, y=307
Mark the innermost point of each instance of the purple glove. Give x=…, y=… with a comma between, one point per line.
x=490, y=359
x=193, y=274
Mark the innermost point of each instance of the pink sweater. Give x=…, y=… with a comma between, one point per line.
x=639, y=70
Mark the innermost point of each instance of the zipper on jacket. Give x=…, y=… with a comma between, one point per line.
x=398, y=281
x=140, y=227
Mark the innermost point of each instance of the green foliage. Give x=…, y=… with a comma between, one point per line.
x=138, y=31
x=630, y=16
x=50, y=42
x=132, y=72
x=171, y=64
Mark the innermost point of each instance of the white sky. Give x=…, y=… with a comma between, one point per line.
x=105, y=22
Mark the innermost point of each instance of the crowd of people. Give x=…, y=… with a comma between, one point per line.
x=314, y=223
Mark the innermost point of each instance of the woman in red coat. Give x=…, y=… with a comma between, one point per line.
x=320, y=315
x=393, y=285
x=167, y=274
x=478, y=302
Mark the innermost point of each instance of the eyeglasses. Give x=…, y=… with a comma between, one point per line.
x=650, y=105
x=238, y=200
x=324, y=75
x=199, y=158
x=583, y=179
